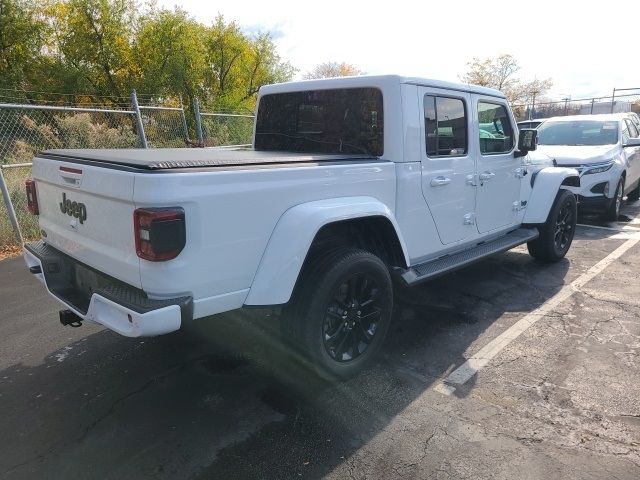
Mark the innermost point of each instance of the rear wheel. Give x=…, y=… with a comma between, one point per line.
x=341, y=312
x=556, y=234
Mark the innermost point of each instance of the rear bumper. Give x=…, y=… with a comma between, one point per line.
x=98, y=298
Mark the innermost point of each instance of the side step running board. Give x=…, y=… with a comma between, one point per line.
x=439, y=266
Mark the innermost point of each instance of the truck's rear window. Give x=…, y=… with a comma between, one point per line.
x=346, y=120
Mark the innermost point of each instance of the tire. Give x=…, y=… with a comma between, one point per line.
x=556, y=234
x=613, y=211
x=327, y=320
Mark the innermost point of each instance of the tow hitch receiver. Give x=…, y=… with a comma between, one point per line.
x=67, y=317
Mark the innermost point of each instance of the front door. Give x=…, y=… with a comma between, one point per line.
x=448, y=163
x=498, y=170
x=632, y=154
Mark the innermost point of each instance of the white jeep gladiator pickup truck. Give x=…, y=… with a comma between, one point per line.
x=351, y=184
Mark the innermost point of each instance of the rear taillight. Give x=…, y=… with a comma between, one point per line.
x=159, y=233
x=32, y=197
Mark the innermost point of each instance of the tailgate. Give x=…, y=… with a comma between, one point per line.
x=86, y=211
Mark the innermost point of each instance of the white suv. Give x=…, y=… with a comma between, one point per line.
x=605, y=149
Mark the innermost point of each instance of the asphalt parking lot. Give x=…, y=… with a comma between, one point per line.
x=558, y=397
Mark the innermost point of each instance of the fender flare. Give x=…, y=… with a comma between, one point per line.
x=292, y=237
x=546, y=184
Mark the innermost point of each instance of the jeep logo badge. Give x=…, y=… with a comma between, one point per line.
x=73, y=209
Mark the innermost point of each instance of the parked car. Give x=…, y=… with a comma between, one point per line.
x=351, y=183
x=531, y=123
x=605, y=149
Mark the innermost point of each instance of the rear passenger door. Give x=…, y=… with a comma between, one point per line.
x=498, y=171
x=448, y=163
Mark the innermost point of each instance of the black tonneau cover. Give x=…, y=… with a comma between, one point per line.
x=170, y=158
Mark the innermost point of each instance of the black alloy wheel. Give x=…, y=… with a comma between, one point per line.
x=565, y=226
x=352, y=318
x=340, y=312
x=557, y=233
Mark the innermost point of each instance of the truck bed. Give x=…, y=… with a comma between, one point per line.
x=180, y=158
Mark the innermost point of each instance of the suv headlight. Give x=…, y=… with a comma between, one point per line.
x=599, y=168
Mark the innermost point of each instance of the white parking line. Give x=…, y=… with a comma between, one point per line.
x=469, y=368
x=624, y=233
x=613, y=229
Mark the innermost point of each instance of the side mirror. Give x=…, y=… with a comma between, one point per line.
x=632, y=142
x=527, y=141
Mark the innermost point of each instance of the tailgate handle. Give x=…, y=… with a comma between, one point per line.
x=71, y=176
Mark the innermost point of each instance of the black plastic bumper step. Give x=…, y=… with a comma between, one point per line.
x=60, y=273
x=439, y=266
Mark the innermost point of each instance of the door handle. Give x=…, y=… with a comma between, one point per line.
x=439, y=181
x=484, y=176
x=521, y=172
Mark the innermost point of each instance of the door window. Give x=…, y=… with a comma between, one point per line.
x=633, y=131
x=625, y=132
x=496, y=132
x=445, y=122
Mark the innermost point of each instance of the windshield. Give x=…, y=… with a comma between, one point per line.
x=579, y=132
x=347, y=120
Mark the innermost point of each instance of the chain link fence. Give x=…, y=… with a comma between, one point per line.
x=223, y=129
x=621, y=100
x=226, y=129
x=13, y=178
x=26, y=129
x=164, y=127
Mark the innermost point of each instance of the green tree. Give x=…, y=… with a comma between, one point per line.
x=239, y=65
x=23, y=32
x=93, y=38
x=170, y=55
x=264, y=66
x=100, y=49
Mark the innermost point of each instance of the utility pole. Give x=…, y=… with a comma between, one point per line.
x=533, y=104
x=613, y=99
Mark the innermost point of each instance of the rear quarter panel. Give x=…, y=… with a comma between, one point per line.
x=231, y=214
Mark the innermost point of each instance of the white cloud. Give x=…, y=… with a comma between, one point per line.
x=586, y=47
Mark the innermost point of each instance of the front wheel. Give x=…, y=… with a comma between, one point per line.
x=556, y=234
x=613, y=211
x=341, y=313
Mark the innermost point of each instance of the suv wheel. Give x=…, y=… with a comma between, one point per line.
x=341, y=311
x=556, y=234
x=613, y=211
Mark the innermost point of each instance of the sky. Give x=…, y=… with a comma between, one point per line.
x=587, y=47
